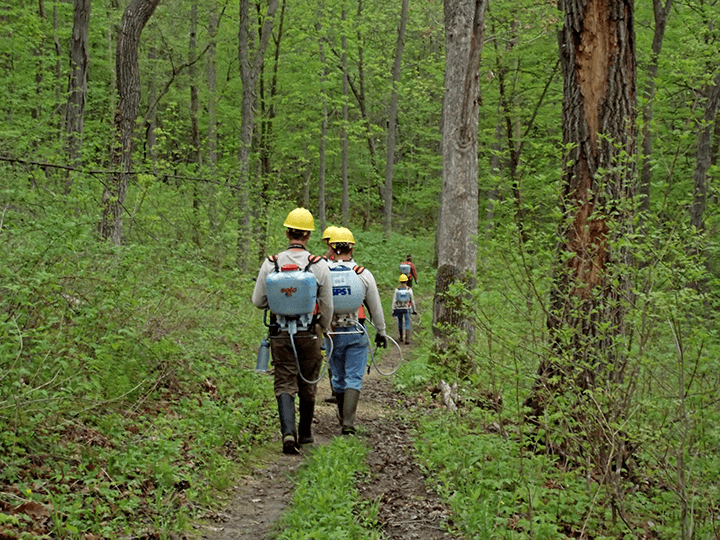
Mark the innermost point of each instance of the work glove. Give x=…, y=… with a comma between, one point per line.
x=380, y=341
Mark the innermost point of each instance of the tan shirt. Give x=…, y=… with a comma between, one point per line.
x=299, y=257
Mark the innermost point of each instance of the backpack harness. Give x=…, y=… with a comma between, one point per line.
x=348, y=295
x=292, y=294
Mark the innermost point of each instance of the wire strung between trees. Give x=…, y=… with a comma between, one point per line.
x=92, y=172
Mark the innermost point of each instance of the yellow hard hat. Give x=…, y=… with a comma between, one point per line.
x=403, y=277
x=300, y=219
x=341, y=235
x=329, y=232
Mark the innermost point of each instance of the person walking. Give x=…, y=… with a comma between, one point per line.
x=349, y=357
x=327, y=233
x=403, y=304
x=296, y=373
x=329, y=256
x=408, y=268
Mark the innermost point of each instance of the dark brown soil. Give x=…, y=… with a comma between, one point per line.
x=407, y=509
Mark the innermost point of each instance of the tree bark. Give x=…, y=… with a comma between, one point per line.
x=77, y=84
x=703, y=155
x=345, y=203
x=136, y=15
x=590, y=291
x=323, y=125
x=661, y=16
x=250, y=60
x=212, y=87
x=196, y=156
x=458, y=215
x=392, y=120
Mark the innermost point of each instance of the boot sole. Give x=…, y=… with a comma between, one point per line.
x=289, y=446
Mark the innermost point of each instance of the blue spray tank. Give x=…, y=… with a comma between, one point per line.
x=405, y=269
x=348, y=292
x=291, y=296
x=403, y=295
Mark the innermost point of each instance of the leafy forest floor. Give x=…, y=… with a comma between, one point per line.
x=407, y=509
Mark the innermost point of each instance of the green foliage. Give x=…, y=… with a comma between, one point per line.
x=324, y=505
x=126, y=374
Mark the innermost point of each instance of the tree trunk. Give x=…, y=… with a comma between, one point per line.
x=589, y=293
x=133, y=21
x=661, y=16
x=345, y=203
x=196, y=156
x=323, y=128
x=392, y=120
x=250, y=64
x=703, y=155
x=77, y=84
x=212, y=87
x=359, y=94
x=458, y=215
x=151, y=115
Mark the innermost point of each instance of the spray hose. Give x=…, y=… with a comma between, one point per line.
x=372, y=355
x=292, y=330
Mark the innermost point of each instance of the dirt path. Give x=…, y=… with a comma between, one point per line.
x=407, y=510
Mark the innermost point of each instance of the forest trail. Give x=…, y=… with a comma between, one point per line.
x=407, y=509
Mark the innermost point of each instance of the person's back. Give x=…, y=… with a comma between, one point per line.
x=408, y=268
x=295, y=337
x=350, y=340
x=403, y=306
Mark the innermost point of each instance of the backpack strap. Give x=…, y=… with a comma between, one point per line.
x=358, y=269
x=274, y=259
x=312, y=259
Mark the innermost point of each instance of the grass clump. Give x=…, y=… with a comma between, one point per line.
x=325, y=502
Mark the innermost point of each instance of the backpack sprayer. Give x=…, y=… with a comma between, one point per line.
x=348, y=297
x=291, y=296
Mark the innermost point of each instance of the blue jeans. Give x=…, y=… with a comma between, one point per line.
x=349, y=359
x=402, y=315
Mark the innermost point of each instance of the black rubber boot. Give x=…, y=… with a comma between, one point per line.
x=340, y=397
x=286, y=408
x=307, y=410
x=400, y=340
x=350, y=403
x=407, y=337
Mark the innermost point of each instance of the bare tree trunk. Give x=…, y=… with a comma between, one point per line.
x=212, y=87
x=250, y=60
x=58, y=55
x=458, y=216
x=661, y=16
x=323, y=126
x=345, y=203
x=704, y=156
x=151, y=116
x=359, y=93
x=392, y=120
x=39, y=53
x=77, y=84
x=496, y=167
x=196, y=156
x=136, y=15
